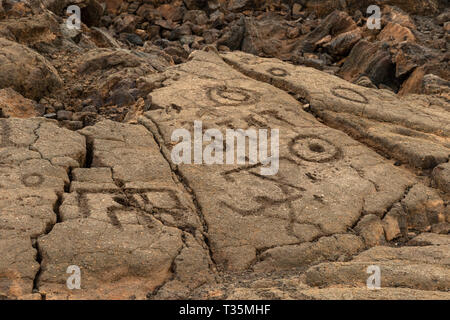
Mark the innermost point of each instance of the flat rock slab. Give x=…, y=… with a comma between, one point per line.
x=35, y=156
x=423, y=268
x=414, y=130
x=325, y=184
x=126, y=223
x=109, y=200
x=26, y=71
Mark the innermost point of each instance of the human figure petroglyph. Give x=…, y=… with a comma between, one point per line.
x=135, y=200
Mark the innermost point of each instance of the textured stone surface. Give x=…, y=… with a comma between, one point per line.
x=13, y=104
x=126, y=223
x=108, y=198
x=423, y=268
x=26, y=71
x=315, y=195
x=32, y=178
x=414, y=130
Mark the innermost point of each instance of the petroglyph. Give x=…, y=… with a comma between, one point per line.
x=108, y=199
x=314, y=149
x=277, y=72
x=414, y=130
x=350, y=94
x=232, y=96
x=326, y=182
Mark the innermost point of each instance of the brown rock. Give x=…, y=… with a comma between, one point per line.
x=2, y=11
x=395, y=15
x=13, y=104
x=195, y=4
x=334, y=24
x=125, y=23
x=234, y=36
x=342, y=44
x=401, y=127
x=395, y=223
x=421, y=7
x=441, y=177
x=370, y=228
x=372, y=60
x=327, y=208
x=103, y=38
x=36, y=156
x=18, y=267
x=395, y=33
x=269, y=36
x=112, y=6
x=423, y=207
x=26, y=71
x=38, y=29
x=410, y=56
x=447, y=26
x=171, y=12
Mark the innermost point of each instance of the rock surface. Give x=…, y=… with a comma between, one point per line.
x=362, y=182
x=414, y=130
x=26, y=71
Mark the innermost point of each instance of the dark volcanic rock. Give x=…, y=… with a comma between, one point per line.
x=232, y=38
x=334, y=24
x=372, y=60
x=26, y=71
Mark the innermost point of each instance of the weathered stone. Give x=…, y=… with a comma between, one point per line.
x=233, y=37
x=423, y=268
x=26, y=71
x=103, y=39
x=394, y=223
x=195, y=4
x=18, y=267
x=423, y=207
x=411, y=56
x=13, y=104
x=334, y=24
x=339, y=247
x=372, y=60
x=412, y=129
x=342, y=44
x=130, y=223
x=441, y=176
x=370, y=228
x=2, y=11
x=395, y=15
x=32, y=31
x=243, y=220
x=33, y=173
x=427, y=239
x=364, y=294
x=130, y=214
x=267, y=36
x=394, y=32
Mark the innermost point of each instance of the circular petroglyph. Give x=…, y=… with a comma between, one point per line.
x=278, y=72
x=32, y=180
x=249, y=61
x=349, y=94
x=313, y=149
x=232, y=96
